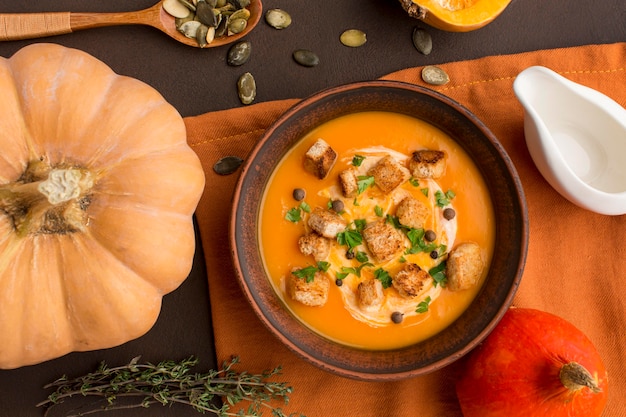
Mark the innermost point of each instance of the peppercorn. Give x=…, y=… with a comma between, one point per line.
x=338, y=206
x=434, y=254
x=299, y=194
x=449, y=213
x=397, y=317
x=338, y=282
x=430, y=235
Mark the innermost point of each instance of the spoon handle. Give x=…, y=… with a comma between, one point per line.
x=16, y=26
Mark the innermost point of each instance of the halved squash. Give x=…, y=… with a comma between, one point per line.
x=455, y=15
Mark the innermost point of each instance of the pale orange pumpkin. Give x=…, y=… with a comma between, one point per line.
x=97, y=192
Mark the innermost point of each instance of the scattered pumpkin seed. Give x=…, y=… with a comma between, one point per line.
x=222, y=17
x=353, y=38
x=201, y=35
x=227, y=165
x=246, y=87
x=277, y=18
x=239, y=53
x=434, y=75
x=306, y=58
x=422, y=41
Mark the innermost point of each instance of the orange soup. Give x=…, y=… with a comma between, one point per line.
x=357, y=139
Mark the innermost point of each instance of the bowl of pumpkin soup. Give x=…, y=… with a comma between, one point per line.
x=379, y=230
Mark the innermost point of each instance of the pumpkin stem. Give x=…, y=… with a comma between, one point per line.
x=574, y=377
x=48, y=203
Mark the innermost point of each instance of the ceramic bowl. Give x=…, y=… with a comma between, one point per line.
x=505, y=270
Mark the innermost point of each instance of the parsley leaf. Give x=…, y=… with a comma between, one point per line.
x=444, y=199
x=422, y=307
x=379, y=211
x=308, y=273
x=424, y=191
x=364, y=182
x=439, y=274
x=393, y=220
x=414, y=182
x=357, y=160
x=294, y=215
x=345, y=270
x=362, y=257
x=350, y=238
x=383, y=276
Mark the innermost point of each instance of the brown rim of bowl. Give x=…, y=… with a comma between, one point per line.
x=507, y=196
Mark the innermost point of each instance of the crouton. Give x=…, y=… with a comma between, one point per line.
x=349, y=183
x=411, y=280
x=388, y=174
x=314, y=244
x=320, y=159
x=427, y=163
x=326, y=222
x=370, y=292
x=383, y=240
x=412, y=213
x=313, y=293
x=464, y=266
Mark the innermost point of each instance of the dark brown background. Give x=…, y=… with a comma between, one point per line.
x=198, y=81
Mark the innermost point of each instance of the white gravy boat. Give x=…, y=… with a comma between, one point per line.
x=577, y=138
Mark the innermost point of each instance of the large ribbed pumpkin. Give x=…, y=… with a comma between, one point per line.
x=97, y=191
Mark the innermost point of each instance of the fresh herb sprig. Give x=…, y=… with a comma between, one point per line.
x=141, y=385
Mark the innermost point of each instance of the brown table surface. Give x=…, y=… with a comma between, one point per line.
x=198, y=81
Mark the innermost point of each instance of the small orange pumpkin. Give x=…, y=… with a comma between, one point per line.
x=533, y=364
x=455, y=15
x=97, y=191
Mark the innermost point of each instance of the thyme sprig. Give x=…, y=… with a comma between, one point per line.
x=171, y=382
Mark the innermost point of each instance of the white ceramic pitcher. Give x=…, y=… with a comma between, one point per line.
x=577, y=138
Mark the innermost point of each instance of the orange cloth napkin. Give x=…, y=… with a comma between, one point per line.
x=576, y=265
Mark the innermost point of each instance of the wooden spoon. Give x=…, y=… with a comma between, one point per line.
x=16, y=26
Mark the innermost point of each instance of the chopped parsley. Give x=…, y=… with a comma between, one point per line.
x=361, y=256
x=379, y=211
x=308, y=273
x=294, y=215
x=439, y=274
x=424, y=191
x=414, y=182
x=418, y=243
x=357, y=160
x=364, y=182
x=345, y=270
x=383, y=276
x=350, y=238
x=422, y=307
x=444, y=199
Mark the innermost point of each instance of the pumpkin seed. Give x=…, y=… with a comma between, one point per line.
x=204, y=13
x=306, y=58
x=241, y=14
x=434, y=75
x=227, y=165
x=222, y=17
x=246, y=87
x=239, y=53
x=176, y=8
x=201, y=36
x=190, y=28
x=422, y=41
x=236, y=26
x=239, y=4
x=277, y=18
x=353, y=38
